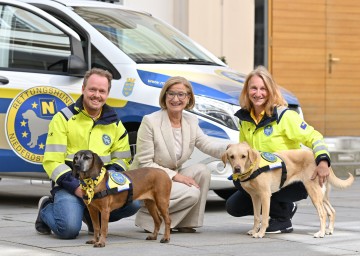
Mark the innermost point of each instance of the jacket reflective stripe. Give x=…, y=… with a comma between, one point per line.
x=56, y=148
x=67, y=113
x=59, y=170
x=125, y=154
x=121, y=163
x=319, y=148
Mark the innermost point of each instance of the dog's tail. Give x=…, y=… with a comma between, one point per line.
x=339, y=183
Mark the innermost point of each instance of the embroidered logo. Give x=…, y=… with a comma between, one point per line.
x=128, y=86
x=28, y=117
x=268, y=130
x=303, y=125
x=269, y=157
x=106, y=139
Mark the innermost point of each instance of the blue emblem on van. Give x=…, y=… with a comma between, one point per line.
x=28, y=118
x=128, y=87
x=106, y=139
x=268, y=130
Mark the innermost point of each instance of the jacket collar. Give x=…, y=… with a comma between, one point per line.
x=108, y=114
x=244, y=115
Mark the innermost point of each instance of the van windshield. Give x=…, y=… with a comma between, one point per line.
x=144, y=38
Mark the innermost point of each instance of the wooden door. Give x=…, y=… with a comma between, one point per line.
x=343, y=67
x=314, y=52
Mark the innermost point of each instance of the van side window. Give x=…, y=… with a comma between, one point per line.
x=30, y=43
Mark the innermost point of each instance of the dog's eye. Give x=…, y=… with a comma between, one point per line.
x=243, y=156
x=232, y=157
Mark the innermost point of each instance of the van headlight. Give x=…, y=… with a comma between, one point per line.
x=217, y=111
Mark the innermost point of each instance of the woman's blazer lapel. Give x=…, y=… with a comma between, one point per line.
x=167, y=134
x=186, y=133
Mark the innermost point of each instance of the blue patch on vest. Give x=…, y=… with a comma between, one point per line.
x=269, y=157
x=106, y=139
x=268, y=130
x=118, y=178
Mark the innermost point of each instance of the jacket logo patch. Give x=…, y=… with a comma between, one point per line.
x=106, y=139
x=28, y=118
x=128, y=87
x=269, y=157
x=268, y=130
x=303, y=125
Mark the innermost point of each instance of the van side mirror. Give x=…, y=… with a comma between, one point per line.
x=76, y=66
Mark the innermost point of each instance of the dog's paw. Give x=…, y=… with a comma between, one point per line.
x=151, y=237
x=251, y=232
x=258, y=235
x=329, y=231
x=99, y=245
x=319, y=234
x=165, y=240
x=92, y=241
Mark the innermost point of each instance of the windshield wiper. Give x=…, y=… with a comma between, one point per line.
x=180, y=61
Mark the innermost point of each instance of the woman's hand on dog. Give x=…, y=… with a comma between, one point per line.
x=322, y=171
x=186, y=180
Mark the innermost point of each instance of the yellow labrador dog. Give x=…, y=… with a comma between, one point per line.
x=261, y=183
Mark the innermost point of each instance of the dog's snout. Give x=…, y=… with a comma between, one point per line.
x=237, y=169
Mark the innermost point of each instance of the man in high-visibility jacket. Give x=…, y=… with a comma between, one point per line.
x=87, y=124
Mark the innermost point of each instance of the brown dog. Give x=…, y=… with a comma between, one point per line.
x=149, y=184
x=300, y=165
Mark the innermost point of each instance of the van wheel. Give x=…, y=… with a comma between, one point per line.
x=225, y=193
x=132, y=141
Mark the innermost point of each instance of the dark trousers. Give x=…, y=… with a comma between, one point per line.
x=239, y=204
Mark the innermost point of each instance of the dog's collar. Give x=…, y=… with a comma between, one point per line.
x=88, y=185
x=240, y=176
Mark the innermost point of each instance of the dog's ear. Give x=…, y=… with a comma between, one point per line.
x=97, y=161
x=224, y=158
x=74, y=171
x=252, y=155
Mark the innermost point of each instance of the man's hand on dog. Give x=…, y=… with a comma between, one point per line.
x=79, y=192
x=322, y=170
x=186, y=180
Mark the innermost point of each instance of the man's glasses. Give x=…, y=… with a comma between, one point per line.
x=180, y=95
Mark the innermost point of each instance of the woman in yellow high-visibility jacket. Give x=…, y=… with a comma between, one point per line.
x=267, y=125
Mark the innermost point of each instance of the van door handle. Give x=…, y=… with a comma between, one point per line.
x=3, y=80
x=331, y=61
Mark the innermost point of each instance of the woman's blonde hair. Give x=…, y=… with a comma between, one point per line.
x=275, y=97
x=177, y=80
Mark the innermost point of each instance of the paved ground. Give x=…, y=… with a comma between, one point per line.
x=221, y=234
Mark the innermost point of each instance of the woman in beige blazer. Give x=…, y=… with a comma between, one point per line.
x=166, y=139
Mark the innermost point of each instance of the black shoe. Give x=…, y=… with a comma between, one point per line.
x=87, y=220
x=40, y=226
x=277, y=226
x=293, y=211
